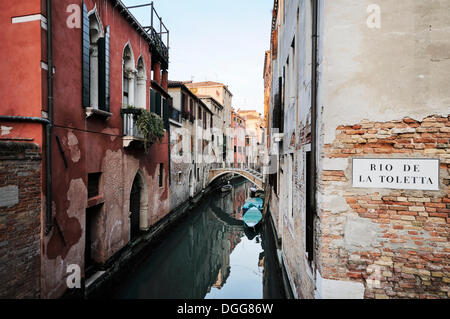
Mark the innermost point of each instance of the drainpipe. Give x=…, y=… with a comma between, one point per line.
x=49, y=127
x=314, y=107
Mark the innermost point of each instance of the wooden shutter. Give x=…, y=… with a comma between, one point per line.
x=152, y=100
x=104, y=71
x=158, y=103
x=166, y=113
x=183, y=104
x=85, y=67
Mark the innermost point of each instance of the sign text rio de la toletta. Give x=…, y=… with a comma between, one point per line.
x=396, y=173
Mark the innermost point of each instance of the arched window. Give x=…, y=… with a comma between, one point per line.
x=129, y=76
x=141, y=84
x=95, y=33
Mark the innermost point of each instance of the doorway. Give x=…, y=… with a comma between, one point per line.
x=93, y=217
x=191, y=184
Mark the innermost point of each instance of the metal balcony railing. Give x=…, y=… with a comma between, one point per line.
x=130, y=128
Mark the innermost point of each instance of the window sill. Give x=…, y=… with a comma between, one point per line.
x=90, y=111
x=175, y=123
x=278, y=137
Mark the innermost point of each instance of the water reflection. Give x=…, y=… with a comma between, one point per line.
x=209, y=255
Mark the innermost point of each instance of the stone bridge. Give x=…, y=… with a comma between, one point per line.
x=253, y=176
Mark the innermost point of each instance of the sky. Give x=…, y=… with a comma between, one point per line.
x=212, y=40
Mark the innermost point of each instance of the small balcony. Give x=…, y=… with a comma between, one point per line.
x=130, y=129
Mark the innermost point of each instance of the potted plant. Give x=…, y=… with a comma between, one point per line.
x=151, y=126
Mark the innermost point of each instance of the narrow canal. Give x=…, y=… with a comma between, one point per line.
x=209, y=255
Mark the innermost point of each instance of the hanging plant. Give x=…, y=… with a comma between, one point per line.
x=151, y=126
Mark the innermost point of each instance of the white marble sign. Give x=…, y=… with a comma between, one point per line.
x=396, y=173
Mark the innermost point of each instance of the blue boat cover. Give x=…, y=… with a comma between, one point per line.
x=252, y=217
x=256, y=201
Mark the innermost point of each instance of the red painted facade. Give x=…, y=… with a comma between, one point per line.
x=89, y=144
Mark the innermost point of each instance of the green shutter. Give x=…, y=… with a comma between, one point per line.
x=85, y=67
x=104, y=71
x=158, y=103
x=152, y=100
x=166, y=113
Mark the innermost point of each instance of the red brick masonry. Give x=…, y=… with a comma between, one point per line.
x=410, y=258
x=20, y=208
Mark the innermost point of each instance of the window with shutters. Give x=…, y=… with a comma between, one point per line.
x=95, y=33
x=158, y=102
x=165, y=112
x=191, y=110
x=204, y=120
x=95, y=63
x=184, y=107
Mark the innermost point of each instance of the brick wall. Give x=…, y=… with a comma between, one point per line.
x=404, y=250
x=20, y=209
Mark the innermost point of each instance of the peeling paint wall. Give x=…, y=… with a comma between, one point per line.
x=410, y=49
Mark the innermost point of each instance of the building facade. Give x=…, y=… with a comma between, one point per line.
x=192, y=144
x=99, y=188
x=255, y=138
x=239, y=140
x=222, y=94
x=181, y=144
x=358, y=91
x=218, y=151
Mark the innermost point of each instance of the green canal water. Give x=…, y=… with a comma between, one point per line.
x=209, y=254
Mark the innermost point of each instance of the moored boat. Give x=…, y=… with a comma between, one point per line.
x=252, y=217
x=226, y=188
x=253, y=202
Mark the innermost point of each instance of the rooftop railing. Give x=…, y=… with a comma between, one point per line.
x=157, y=32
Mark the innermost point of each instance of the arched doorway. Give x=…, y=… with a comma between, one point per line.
x=138, y=206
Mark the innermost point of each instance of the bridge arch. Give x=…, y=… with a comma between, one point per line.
x=214, y=174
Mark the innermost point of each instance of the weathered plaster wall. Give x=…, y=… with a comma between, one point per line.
x=399, y=70
x=181, y=163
